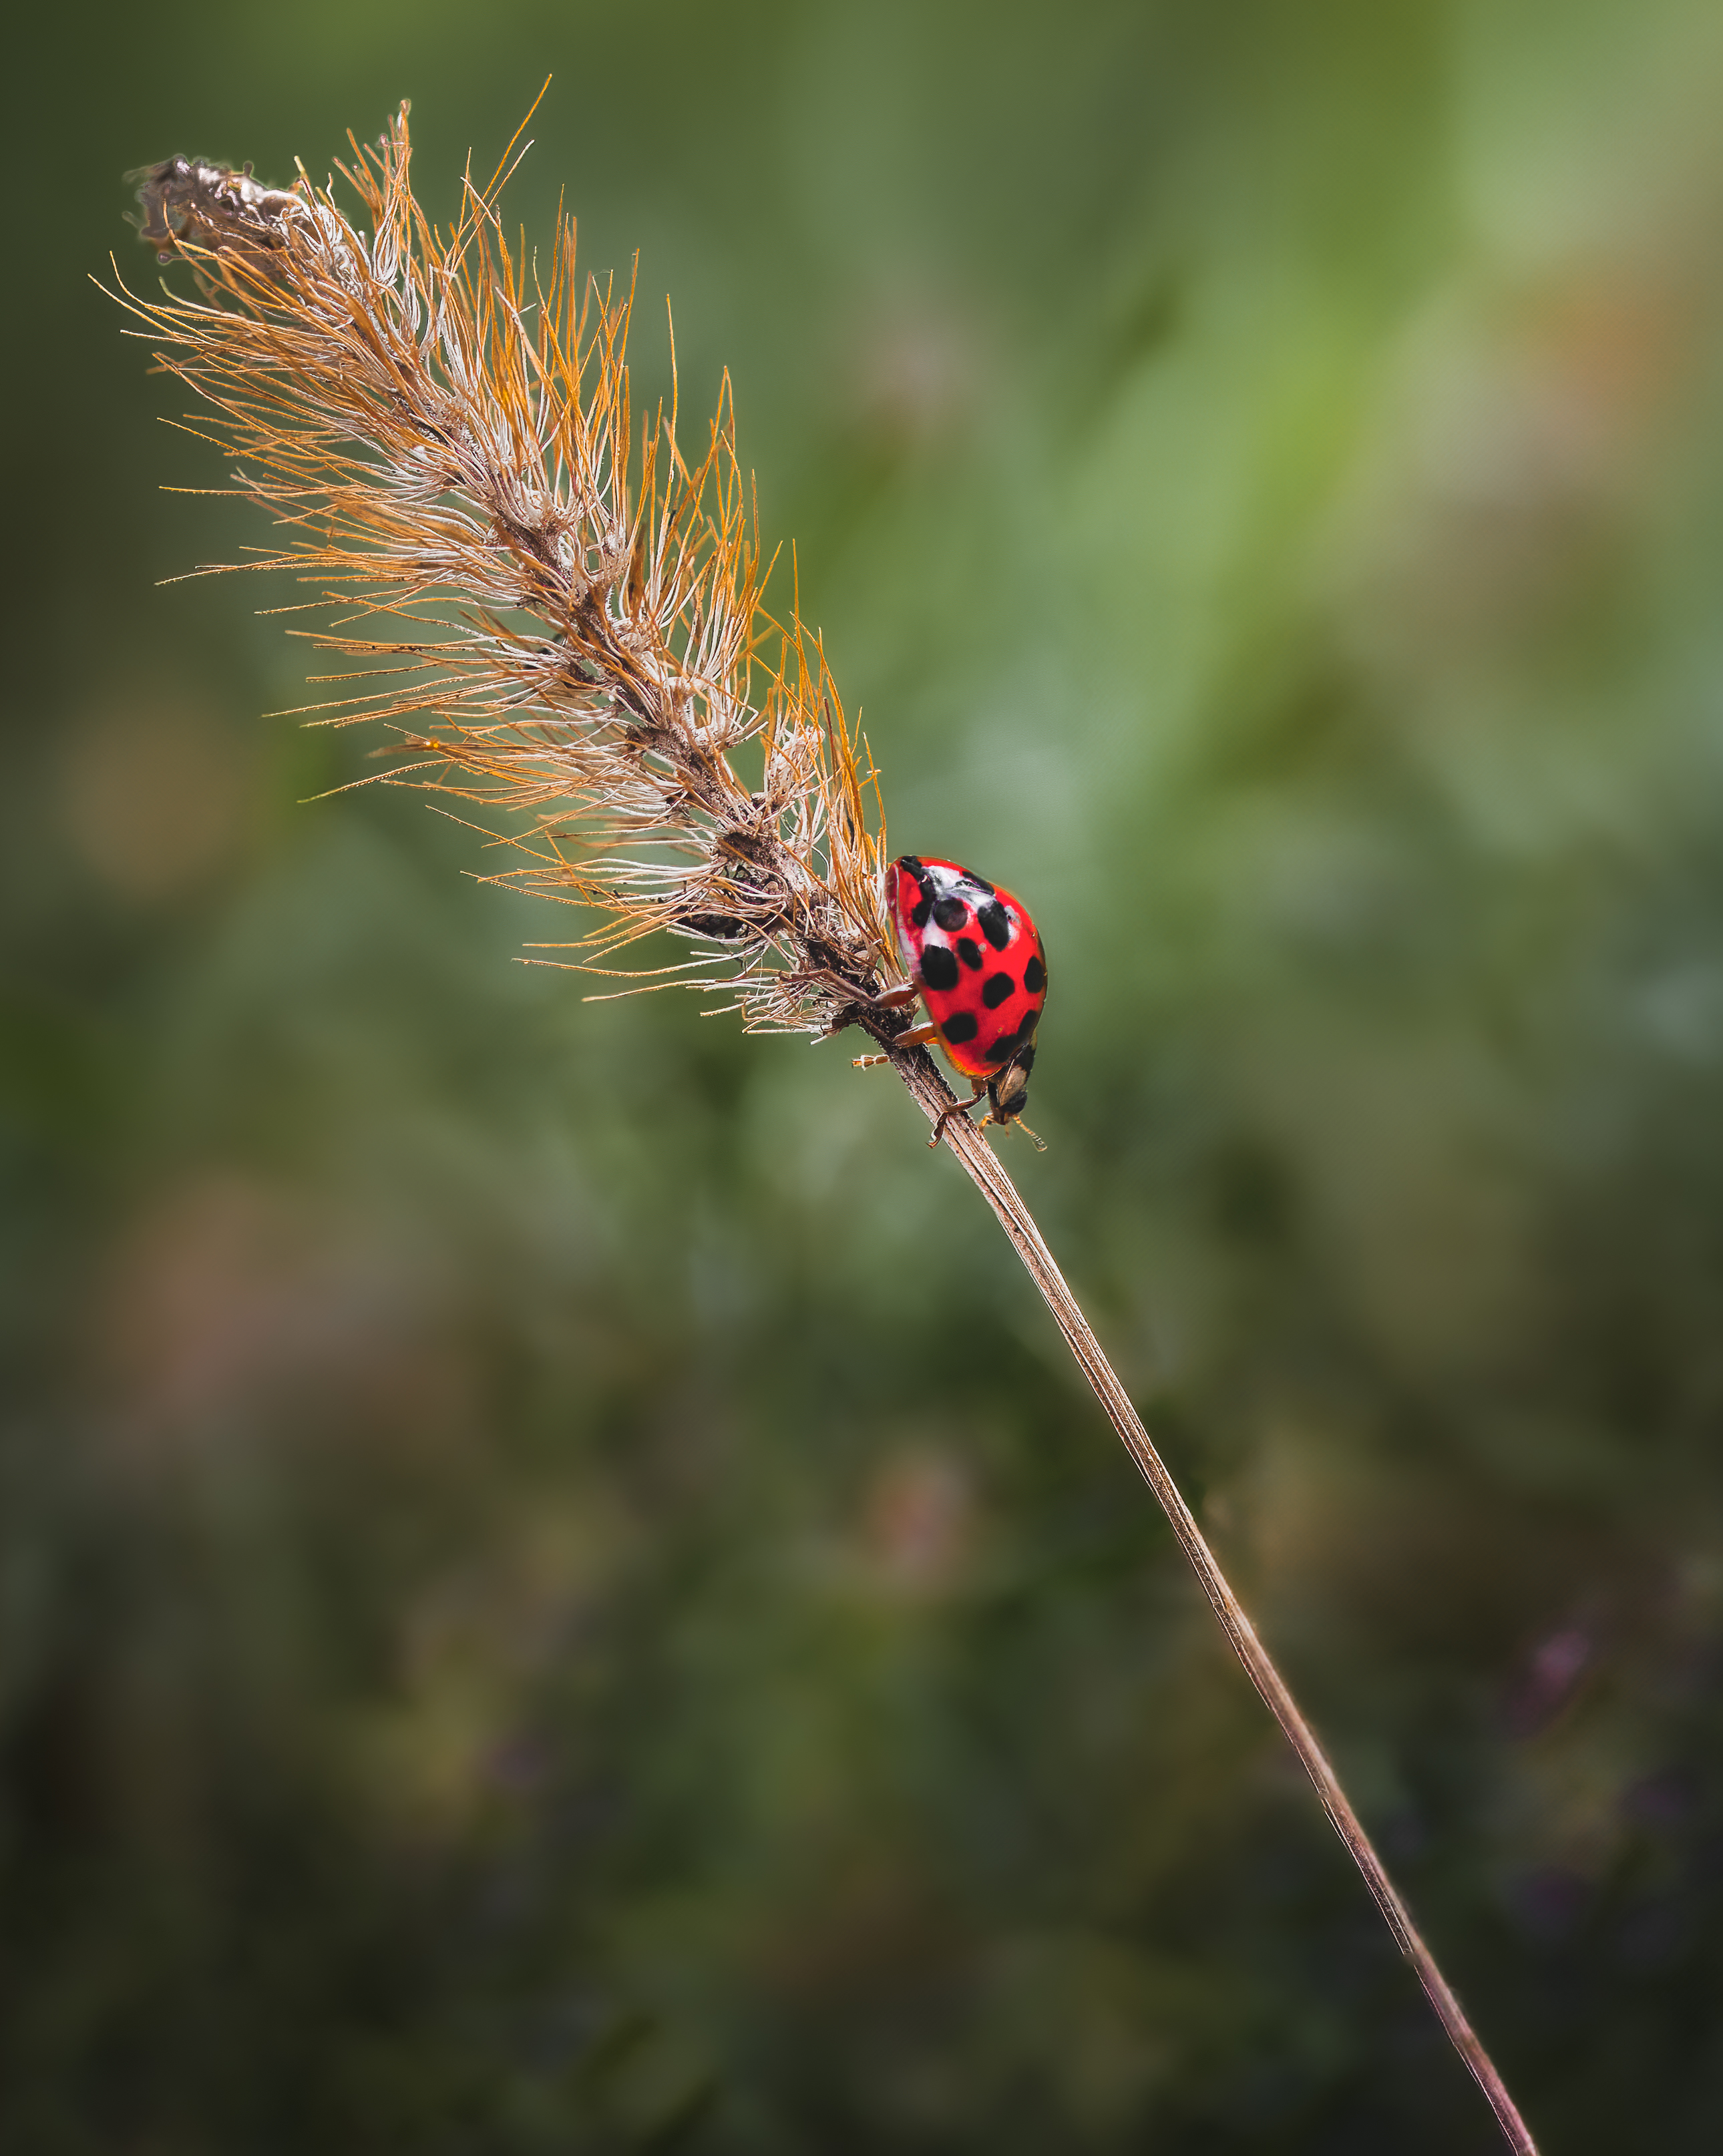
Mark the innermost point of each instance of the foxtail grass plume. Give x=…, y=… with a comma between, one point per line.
x=440, y=424
x=441, y=428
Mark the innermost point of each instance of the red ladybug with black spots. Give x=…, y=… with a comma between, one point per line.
x=975, y=957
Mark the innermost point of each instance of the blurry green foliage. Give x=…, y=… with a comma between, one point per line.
x=557, y=1591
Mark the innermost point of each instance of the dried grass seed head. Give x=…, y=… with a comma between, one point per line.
x=442, y=428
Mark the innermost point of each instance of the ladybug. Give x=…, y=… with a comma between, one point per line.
x=975, y=957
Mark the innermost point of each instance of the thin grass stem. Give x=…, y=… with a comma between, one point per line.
x=987, y=1172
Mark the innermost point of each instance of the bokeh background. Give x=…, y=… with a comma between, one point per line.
x=558, y=1592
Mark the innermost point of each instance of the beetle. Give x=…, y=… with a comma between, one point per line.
x=975, y=958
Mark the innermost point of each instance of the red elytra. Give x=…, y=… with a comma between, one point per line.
x=976, y=957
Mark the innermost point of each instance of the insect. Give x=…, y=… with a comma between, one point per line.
x=975, y=958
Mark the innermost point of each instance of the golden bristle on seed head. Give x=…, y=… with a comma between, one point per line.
x=441, y=425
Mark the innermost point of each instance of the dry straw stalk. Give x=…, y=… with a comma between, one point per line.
x=440, y=427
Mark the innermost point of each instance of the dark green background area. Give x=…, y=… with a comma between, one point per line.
x=557, y=1591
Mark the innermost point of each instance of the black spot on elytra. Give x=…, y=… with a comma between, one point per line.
x=918, y=914
x=996, y=989
x=950, y=913
x=1004, y=1049
x=938, y=968
x=995, y=924
x=969, y=951
x=1035, y=976
x=963, y=1026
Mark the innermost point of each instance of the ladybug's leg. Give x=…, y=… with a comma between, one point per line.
x=894, y=998
x=918, y=1036
x=957, y=1108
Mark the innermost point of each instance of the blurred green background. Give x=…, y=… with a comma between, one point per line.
x=557, y=1591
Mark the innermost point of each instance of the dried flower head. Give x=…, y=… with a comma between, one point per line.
x=443, y=424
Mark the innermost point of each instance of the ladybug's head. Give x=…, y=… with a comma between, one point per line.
x=1009, y=1090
